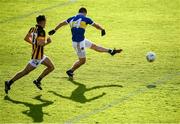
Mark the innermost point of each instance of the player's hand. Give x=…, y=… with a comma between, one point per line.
x=52, y=32
x=103, y=32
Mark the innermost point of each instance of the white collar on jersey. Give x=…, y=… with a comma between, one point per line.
x=80, y=14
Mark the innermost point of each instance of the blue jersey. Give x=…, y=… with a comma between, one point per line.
x=78, y=25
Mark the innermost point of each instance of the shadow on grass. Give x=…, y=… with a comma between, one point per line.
x=78, y=95
x=35, y=110
x=151, y=86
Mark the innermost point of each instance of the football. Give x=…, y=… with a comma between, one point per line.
x=150, y=56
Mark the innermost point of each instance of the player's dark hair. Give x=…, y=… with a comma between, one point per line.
x=82, y=10
x=40, y=18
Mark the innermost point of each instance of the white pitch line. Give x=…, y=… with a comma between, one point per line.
x=11, y=19
x=121, y=100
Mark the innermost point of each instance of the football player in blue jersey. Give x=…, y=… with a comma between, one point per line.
x=78, y=25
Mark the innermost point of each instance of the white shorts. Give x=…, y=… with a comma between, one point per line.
x=80, y=47
x=36, y=62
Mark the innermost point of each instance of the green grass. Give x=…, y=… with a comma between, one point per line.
x=137, y=26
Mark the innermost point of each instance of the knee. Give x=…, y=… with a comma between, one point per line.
x=51, y=68
x=94, y=46
x=82, y=61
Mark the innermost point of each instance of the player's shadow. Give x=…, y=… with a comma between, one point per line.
x=78, y=94
x=35, y=110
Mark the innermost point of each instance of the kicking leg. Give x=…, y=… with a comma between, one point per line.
x=49, y=68
x=102, y=49
x=19, y=75
x=99, y=48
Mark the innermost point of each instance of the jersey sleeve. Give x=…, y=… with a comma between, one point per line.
x=89, y=21
x=31, y=30
x=69, y=19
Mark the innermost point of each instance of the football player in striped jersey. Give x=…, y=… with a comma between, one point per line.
x=37, y=38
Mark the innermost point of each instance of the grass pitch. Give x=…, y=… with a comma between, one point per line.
x=120, y=89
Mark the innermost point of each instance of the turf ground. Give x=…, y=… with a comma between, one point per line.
x=120, y=89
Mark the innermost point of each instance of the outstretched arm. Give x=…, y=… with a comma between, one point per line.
x=61, y=24
x=97, y=26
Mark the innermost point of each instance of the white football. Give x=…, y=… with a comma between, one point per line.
x=150, y=56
